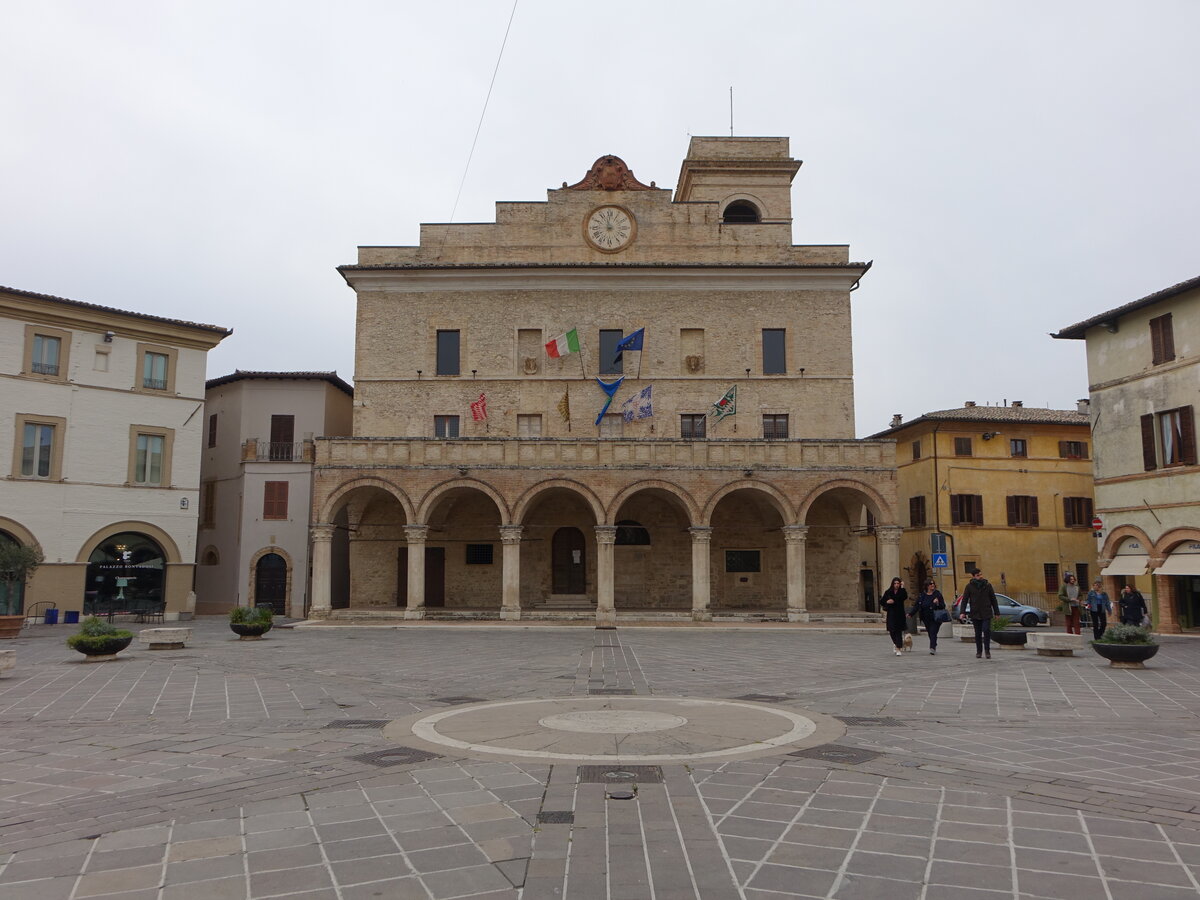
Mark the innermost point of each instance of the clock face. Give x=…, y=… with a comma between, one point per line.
x=610, y=228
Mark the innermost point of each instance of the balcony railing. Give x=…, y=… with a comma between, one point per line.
x=41, y=368
x=154, y=384
x=255, y=450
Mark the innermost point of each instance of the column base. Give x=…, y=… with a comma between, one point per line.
x=606, y=618
x=798, y=615
x=415, y=613
x=701, y=615
x=323, y=612
x=510, y=614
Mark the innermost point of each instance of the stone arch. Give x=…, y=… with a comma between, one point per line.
x=252, y=572
x=879, y=507
x=1173, y=538
x=164, y=540
x=18, y=531
x=1120, y=535
x=777, y=498
x=430, y=500
x=210, y=556
x=685, y=499
x=530, y=496
x=739, y=201
x=329, y=508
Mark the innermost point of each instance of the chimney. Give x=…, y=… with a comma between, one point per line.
x=1084, y=406
x=969, y=404
x=1018, y=404
x=897, y=419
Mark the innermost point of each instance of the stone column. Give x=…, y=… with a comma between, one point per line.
x=322, y=574
x=606, y=611
x=415, y=536
x=794, y=537
x=889, y=552
x=701, y=566
x=510, y=603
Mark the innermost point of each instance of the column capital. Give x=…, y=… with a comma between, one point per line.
x=606, y=534
x=701, y=534
x=511, y=534
x=889, y=534
x=795, y=534
x=322, y=532
x=416, y=534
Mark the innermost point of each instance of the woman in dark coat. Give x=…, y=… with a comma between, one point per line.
x=929, y=602
x=892, y=603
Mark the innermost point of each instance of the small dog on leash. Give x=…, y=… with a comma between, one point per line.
x=907, y=643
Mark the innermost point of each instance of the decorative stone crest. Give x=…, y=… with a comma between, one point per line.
x=609, y=173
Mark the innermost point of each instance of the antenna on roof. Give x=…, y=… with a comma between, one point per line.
x=731, y=110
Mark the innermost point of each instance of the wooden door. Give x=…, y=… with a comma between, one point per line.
x=568, y=562
x=435, y=576
x=283, y=436
x=270, y=583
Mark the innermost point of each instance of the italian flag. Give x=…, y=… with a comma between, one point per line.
x=563, y=344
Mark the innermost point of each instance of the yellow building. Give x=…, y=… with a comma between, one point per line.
x=1010, y=487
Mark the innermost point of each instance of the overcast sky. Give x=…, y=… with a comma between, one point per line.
x=1010, y=167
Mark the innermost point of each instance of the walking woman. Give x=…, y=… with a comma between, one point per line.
x=931, y=607
x=1100, y=608
x=892, y=603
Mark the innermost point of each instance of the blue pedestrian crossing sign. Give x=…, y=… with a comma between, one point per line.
x=940, y=561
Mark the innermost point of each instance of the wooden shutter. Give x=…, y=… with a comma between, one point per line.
x=1162, y=339
x=1156, y=342
x=275, y=500
x=978, y=511
x=1011, y=503
x=1088, y=512
x=1187, y=428
x=1033, y=512
x=1149, y=457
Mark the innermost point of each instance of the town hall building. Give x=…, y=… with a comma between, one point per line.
x=616, y=402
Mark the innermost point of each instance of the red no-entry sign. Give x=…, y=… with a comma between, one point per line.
x=1097, y=524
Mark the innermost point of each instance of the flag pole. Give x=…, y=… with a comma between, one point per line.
x=582, y=366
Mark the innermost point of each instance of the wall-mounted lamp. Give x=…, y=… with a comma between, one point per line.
x=183, y=502
x=473, y=373
x=463, y=471
x=748, y=473
x=747, y=373
x=108, y=336
x=802, y=371
x=418, y=374
x=988, y=435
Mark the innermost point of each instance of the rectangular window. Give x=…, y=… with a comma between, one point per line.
x=612, y=426
x=774, y=350
x=275, y=499
x=1022, y=511
x=969, y=567
x=1050, y=577
x=1169, y=438
x=37, y=450
x=916, y=511
x=1081, y=576
x=480, y=554
x=1162, y=340
x=609, y=364
x=148, y=463
x=529, y=426
x=1072, y=449
x=966, y=509
x=962, y=446
x=693, y=427
x=155, y=367
x=775, y=426
x=208, y=505
x=743, y=561
x=445, y=426
x=212, y=430
x=916, y=450
x=1077, y=512
x=1018, y=447
x=447, y=353
x=46, y=351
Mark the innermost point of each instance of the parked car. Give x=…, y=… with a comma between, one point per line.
x=1019, y=613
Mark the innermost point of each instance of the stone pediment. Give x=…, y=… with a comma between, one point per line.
x=609, y=173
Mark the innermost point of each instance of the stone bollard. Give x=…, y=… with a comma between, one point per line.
x=8, y=661
x=165, y=638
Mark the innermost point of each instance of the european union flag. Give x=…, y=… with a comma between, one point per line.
x=630, y=342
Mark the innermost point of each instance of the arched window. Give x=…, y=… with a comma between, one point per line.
x=12, y=593
x=211, y=557
x=124, y=573
x=741, y=211
x=632, y=534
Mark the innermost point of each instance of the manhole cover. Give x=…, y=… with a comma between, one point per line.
x=358, y=723
x=620, y=774
x=394, y=756
x=875, y=721
x=836, y=753
x=556, y=817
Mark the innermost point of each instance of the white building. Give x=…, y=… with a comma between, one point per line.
x=256, y=485
x=103, y=410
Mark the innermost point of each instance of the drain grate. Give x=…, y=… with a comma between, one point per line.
x=395, y=756
x=874, y=721
x=454, y=701
x=613, y=691
x=837, y=753
x=358, y=723
x=762, y=698
x=556, y=817
x=614, y=773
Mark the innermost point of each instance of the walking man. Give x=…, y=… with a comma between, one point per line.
x=979, y=603
x=1068, y=599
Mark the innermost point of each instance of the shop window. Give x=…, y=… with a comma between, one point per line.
x=743, y=560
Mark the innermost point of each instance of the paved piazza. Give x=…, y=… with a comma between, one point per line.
x=504, y=761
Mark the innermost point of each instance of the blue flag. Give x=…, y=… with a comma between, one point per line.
x=630, y=342
x=610, y=390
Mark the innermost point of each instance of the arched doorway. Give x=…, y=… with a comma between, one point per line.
x=568, y=561
x=270, y=582
x=125, y=573
x=12, y=593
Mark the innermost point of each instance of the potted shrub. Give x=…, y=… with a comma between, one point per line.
x=99, y=640
x=1009, y=640
x=250, y=624
x=1126, y=646
x=17, y=563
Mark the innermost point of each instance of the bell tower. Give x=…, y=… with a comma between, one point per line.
x=750, y=178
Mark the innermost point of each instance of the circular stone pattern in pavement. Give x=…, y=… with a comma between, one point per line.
x=651, y=730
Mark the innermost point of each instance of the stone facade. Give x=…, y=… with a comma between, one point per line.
x=529, y=511
x=1143, y=359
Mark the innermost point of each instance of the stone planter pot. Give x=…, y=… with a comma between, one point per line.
x=250, y=632
x=1010, y=640
x=101, y=649
x=1125, y=656
x=10, y=626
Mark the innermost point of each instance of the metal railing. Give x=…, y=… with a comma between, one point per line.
x=277, y=451
x=41, y=368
